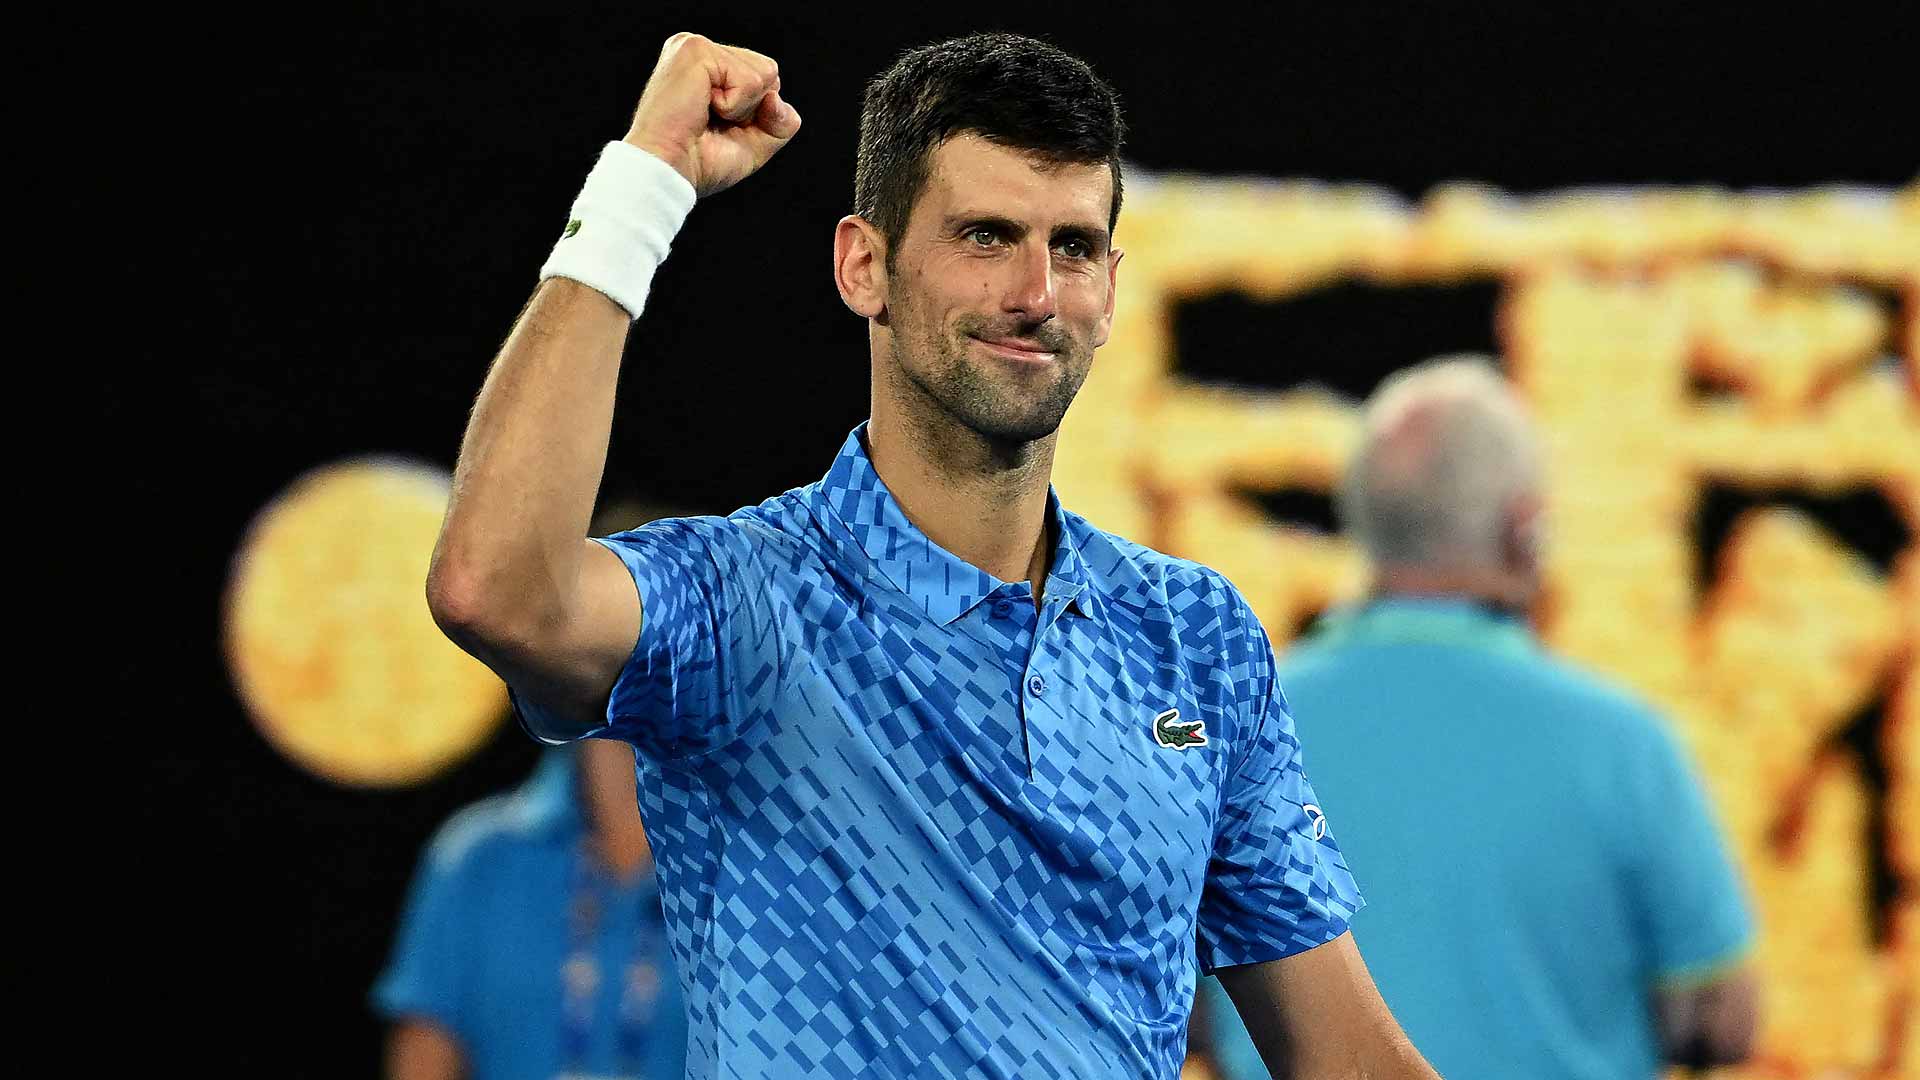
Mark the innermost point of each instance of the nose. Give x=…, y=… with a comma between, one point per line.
x=1030, y=294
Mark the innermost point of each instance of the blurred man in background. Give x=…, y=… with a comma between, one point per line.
x=1550, y=895
x=533, y=943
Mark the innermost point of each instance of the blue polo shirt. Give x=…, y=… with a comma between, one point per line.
x=502, y=903
x=1540, y=854
x=911, y=824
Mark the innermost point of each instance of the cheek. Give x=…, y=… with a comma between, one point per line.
x=936, y=290
x=1083, y=298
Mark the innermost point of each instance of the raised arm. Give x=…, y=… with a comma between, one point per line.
x=1317, y=1014
x=514, y=579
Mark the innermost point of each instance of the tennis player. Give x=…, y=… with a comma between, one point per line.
x=943, y=781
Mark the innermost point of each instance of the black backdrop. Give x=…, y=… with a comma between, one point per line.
x=333, y=217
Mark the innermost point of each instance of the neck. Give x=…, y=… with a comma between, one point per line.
x=985, y=502
x=1501, y=588
x=623, y=851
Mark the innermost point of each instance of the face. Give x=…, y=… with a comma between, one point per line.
x=1002, y=287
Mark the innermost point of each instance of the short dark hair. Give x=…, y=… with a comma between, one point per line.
x=1012, y=90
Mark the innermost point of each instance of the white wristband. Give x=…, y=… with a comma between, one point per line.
x=622, y=226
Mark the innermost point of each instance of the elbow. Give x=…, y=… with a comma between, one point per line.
x=1734, y=1052
x=1734, y=1030
x=1732, y=1040
x=480, y=613
x=454, y=601
x=1716, y=1025
x=459, y=604
x=1713, y=1050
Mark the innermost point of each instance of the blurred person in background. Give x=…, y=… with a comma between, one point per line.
x=533, y=943
x=1550, y=894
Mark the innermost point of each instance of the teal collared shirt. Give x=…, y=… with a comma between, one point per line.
x=490, y=929
x=1539, y=855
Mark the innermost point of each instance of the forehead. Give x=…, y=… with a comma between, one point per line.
x=970, y=174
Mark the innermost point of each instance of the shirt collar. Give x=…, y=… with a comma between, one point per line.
x=944, y=585
x=1425, y=620
x=548, y=801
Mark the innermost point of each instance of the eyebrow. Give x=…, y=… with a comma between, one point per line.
x=1093, y=236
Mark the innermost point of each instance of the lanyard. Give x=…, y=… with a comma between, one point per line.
x=580, y=975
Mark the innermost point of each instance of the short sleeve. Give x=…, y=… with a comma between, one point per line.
x=1688, y=892
x=1277, y=883
x=707, y=650
x=425, y=974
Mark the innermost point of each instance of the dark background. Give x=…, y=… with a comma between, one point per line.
x=333, y=216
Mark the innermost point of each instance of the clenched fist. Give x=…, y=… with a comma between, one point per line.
x=713, y=112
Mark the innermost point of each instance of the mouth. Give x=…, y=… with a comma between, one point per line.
x=1017, y=349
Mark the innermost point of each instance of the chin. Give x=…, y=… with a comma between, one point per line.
x=1015, y=429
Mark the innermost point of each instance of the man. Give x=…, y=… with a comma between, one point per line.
x=1551, y=898
x=533, y=943
x=944, y=781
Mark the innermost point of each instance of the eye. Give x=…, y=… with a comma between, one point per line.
x=1076, y=249
x=983, y=236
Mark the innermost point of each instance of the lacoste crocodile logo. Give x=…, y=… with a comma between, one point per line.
x=1170, y=732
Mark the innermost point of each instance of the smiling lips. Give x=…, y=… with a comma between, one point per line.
x=1017, y=349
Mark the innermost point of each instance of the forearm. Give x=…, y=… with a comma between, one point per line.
x=531, y=461
x=422, y=1050
x=1360, y=1054
x=513, y=576
x=1318, y=1014
x=1396, y=1059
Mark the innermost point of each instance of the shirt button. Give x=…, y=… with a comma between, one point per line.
x=1002, y=608
x=1036, y=686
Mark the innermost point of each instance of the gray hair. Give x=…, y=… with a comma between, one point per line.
x=1446, y=446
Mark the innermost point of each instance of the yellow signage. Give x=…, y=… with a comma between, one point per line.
x=1615, y=306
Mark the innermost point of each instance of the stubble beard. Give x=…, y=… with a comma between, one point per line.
x=1001, y=409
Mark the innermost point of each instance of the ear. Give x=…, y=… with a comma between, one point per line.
x=1523, y=538
x=1113, y=291
x=860, y=266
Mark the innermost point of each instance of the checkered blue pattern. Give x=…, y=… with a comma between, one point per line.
x=910, y=823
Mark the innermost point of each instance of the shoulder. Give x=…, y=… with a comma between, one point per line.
x=1138, y=575
x=1603, y=716
x=1204, y=612
x=773, y=530
x=781, y=526
x=485, y=834
x=1608, y=709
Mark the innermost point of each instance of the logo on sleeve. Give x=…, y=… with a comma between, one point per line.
x=1169, y=731
x=572, y=227
x=1319, y=819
